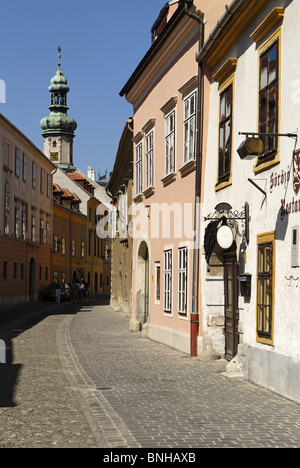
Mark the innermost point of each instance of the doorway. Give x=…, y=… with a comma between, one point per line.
x=32, y=280
x=231, y=280
x=142, y=284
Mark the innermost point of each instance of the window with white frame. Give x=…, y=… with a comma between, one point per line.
x=149, y=160
x=17, y=162
x=157, y=282
x=24, y=224
x=6, y=209
x=182, y=280
x=139, y=168
x=17, y=222
x=167, y=280
x=73, y=247
x=170, y=142
x=33, y=233
x=123, y=213
x=63, y=246
x=189, y=128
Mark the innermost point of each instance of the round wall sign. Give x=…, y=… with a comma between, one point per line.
x=225, y=237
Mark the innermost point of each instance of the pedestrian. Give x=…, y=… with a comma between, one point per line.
x=57, y=293
x=74, y=288
x=81, y=289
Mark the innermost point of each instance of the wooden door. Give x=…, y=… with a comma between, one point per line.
x=231, y=307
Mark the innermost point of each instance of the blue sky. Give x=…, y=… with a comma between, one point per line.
x=102, y=43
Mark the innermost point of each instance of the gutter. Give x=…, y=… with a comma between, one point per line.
x=198, y=187
x=217, y=31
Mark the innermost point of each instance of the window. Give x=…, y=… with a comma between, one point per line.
x=33, y=236
x=33, y=175
x=82, y=249
x=40, y=272
x=46, y=273
x=149, y=160
x=167, y=280
x=73, y=247
x=5, y=268
x=24, y=224
x=225, y=135
x=55, y=243
x=182, y=280
x=17, y=222
x=47, y=234
x=189, y=128
x=6, y=209
x=48, y=185
x=22, y=271
x=170, y=142
x=42, y=187
x=157, y=283
x=265, y=279
x=63, y=246
x=139, y=169
x=17, y=162
x=42, y=240
x=268, y=101
x=24, y=167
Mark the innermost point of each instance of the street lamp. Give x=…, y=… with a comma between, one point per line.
x=253, y=146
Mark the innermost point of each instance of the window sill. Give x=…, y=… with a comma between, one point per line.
x=265, y=341
x=167, y=180
x=258, y=168
x=149, y=192
x=138, y=198
x=222, y=185
x=188, y=168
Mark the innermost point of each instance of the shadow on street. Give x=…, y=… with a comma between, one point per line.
x=16, y=319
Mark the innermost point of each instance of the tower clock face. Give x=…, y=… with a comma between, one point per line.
x=54, y=157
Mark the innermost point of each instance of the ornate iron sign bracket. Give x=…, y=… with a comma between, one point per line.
x=224, y=210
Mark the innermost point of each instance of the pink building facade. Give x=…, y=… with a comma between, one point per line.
x=164, y=92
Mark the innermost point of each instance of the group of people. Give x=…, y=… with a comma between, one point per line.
x=76, y=287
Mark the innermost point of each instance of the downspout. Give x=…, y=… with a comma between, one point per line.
x=198, y=187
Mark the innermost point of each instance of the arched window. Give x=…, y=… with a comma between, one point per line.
x=6, y=209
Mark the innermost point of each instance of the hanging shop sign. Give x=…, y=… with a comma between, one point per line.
x=225, y=237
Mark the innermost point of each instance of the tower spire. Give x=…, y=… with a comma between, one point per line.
x=59, y=56
x=58, y=128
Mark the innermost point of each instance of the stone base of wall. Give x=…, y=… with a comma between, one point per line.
x=274, y=371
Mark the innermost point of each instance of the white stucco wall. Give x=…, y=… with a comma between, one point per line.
x=261, y=361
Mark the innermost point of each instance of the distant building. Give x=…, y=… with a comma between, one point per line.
x=58, y=133
x=26, y=216
x=120, y=188
x=69, y=237
x=164, y=93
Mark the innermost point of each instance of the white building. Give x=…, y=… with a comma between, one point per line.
x=255, y=66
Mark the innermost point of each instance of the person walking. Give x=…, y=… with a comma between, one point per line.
x=57, y=293
x=74, y=288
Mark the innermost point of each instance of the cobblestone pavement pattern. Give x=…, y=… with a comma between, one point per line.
x=84, y=380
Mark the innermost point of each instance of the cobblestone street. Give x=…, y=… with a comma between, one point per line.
x=79, y=378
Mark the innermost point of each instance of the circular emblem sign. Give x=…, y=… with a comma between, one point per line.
x=225, y=237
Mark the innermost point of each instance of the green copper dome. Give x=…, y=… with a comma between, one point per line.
x=58, y=121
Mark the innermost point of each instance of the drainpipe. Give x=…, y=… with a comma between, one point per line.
x=198, y=187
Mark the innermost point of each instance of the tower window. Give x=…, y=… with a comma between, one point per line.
x=54, y=144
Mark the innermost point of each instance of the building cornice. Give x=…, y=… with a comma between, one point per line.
x=238, y=17
x=177, y=34
x=269, y=23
